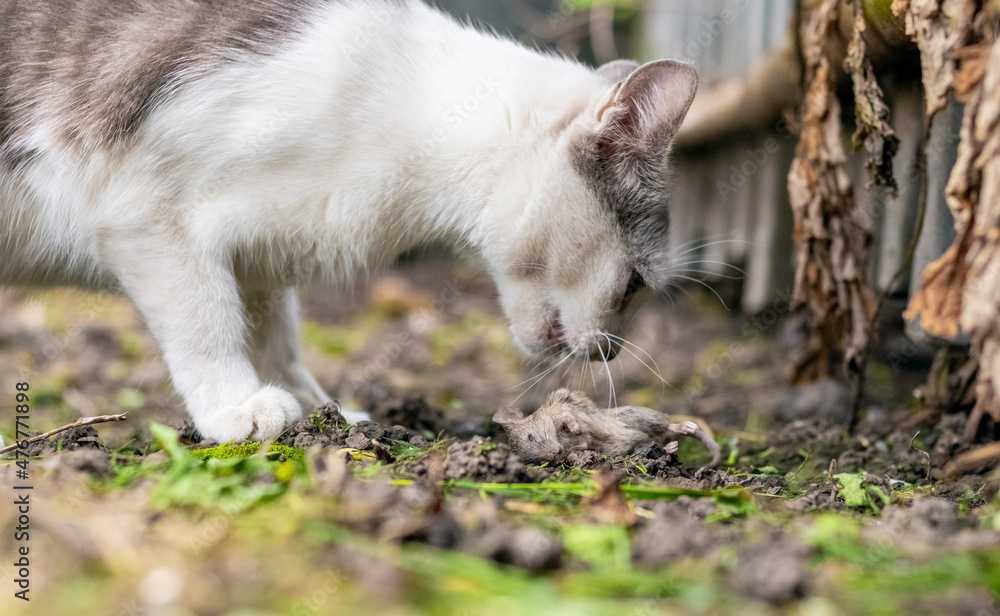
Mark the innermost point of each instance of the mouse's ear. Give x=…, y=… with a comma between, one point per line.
x=572, y=426
x=508, y=415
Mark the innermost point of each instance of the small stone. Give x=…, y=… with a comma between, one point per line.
x=396, y=433
x=357, y=440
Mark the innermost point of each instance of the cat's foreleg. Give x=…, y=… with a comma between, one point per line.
x=192, y=305
x=274, y=319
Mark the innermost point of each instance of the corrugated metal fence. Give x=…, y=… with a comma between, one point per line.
x=730, y=189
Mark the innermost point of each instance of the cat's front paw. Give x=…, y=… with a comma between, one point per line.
x=261, y=417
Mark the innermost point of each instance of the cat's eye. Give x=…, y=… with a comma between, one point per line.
x=531, y=437
x=635, y=284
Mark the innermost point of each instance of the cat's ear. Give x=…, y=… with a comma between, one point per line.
x=617, y=70
x=646, y=109
x=508, y=415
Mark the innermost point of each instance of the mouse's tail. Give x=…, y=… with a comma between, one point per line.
x=712, y=447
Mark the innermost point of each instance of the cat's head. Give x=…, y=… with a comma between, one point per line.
x=591, y=238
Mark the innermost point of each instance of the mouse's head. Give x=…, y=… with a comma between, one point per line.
x=582, y=232
x=533, y=438
x=561, y=424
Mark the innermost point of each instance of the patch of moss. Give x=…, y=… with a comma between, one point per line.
x=243, y=450
x=293, y=454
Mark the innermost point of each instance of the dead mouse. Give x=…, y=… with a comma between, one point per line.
x=570, y=421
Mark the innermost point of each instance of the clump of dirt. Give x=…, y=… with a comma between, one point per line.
x=818, y=499
x=527, y=548
x=817, y=435
x=480, y=459
x=89, y=460
x=82, y=437
x=678, y=531
x=586, y=459
x=411, y=412
x=931, y=519
x=654, y=461
x=326, y=428
x=189, y=435
x=420, y=513
x=775, y=570
x=362, y=434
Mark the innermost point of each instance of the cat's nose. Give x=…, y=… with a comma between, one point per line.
x=555, y=335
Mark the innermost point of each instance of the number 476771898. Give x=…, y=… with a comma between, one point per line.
x=22, y=409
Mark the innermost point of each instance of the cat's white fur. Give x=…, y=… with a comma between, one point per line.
x=382, y=127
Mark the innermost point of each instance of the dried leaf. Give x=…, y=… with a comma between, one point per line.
x=939, y=27
x=972, y=66
x=871, y=112
x=961, y=290
x=609, y=506
x=938, y=303
x=832, y=236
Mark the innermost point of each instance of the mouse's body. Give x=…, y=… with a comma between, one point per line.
x=569, y=421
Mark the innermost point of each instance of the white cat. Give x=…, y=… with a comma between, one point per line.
x=206, y=157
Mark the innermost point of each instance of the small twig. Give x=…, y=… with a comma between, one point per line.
x=926, y=455
x=83, y=421
x=905, y=264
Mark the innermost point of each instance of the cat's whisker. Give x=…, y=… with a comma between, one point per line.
x=706, y=245
x=542, y=356
x=535, y=380
x=712, y=262
x=707, y=286
x=673, y=284
x=698, y=243
x=593, y=377
x=657, y=372
x=566, y=370
x=705, y=272
x=611, y=381
x=539, y=376
x=621, y=370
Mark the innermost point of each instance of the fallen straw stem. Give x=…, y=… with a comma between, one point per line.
x=83, y=421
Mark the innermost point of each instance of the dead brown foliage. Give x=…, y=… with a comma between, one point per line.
x=832, y=236
x=960, y=292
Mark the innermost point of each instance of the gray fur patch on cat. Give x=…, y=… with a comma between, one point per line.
x=95, y=69
x=635, y=189
x=625, y=161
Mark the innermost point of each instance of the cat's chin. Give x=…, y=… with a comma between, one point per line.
x=595, y=344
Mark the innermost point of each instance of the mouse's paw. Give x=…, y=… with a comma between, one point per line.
x=687, y=427
x=670, y=447
x=260, y=417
